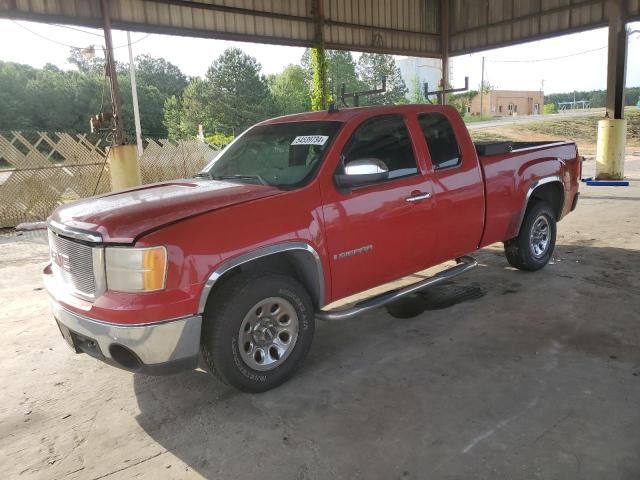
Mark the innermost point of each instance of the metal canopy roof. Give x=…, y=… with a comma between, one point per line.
x=406, y=27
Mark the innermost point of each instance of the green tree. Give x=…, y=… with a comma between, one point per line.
x=85, y=65
x=238, y=93
x=172, y=117
x=290, y=90
x=462, y=100
x=417, y=91
x=195, y=109
x=341, y=69
x=15, y=113
x=160, y=73
x=371, y=68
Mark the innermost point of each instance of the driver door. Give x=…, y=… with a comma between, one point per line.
x=379, y=232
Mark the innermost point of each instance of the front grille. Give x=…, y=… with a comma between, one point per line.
x=72, y=263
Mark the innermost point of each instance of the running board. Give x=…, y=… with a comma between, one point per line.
x=464, y=264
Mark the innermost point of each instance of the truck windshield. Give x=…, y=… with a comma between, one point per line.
x=284, y=155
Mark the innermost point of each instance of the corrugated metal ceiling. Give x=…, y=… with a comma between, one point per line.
x=409, y=27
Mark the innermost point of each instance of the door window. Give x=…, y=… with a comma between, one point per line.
x=384, y=138
x=441, y=140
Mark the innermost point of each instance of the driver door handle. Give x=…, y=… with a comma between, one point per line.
x=417, y=196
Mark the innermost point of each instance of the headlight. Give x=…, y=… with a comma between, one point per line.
x=136, y=269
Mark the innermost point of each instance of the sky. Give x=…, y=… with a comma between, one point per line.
x=521, y=67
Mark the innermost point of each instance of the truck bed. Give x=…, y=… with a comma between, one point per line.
x=485, y=148
x=510, y=169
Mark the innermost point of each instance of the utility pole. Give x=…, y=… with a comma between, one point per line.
x=482, y=91
x=118, y=136
x=123, y=160
x=134, y=96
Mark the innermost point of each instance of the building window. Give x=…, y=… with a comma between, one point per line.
x=500, y=109
x=510, y=107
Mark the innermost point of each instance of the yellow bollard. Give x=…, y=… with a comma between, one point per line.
x=612, y=134
x=124, y=167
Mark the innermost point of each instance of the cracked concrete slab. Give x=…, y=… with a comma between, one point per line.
x=537, y=377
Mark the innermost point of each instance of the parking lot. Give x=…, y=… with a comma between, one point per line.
x=505, y=374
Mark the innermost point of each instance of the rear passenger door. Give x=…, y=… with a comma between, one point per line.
x=380, y=231
x=458, y=186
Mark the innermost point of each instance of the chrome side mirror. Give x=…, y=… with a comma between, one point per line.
x=362, y=172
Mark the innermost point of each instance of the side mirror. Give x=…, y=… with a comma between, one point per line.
x=362, y=172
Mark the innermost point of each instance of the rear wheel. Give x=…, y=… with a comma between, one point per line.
x=532, y=248
x=257, y=330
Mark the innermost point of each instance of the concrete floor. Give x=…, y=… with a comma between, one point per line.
x=524, y=375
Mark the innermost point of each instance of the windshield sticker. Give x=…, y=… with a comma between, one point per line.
x=310, y=140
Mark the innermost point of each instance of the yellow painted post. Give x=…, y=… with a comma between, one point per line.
x=612, y=134
x=124, y=167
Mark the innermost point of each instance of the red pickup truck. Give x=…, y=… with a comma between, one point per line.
x=233, y=267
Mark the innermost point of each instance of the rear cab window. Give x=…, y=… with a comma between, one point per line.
x=385, y=138
x=441, y=140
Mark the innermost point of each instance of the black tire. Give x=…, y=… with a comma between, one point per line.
x=520, y=252
x=228, y=310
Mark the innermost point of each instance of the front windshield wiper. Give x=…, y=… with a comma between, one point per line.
x=255, y=178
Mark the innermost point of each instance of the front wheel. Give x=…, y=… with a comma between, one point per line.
x=532, y=248
x=257, y=330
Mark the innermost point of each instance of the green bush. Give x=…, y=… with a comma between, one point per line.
x=219, y=139
x=550, y=108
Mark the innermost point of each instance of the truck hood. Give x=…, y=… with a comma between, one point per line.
x=122, y=217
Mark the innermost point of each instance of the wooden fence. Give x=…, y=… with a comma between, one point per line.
x=41, y=170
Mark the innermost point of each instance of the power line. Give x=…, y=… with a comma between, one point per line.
x=561, y=56
x=547, y=59
x=44, y=37
x=79, y=30
x=134, y=42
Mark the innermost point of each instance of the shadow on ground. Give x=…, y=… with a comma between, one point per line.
x=502, y=374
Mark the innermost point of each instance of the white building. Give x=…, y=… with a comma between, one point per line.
x=424, y=70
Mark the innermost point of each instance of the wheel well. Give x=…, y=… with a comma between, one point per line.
x=551, y=193
x=299, y=264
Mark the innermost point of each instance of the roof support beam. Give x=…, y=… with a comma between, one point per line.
x=617, y=58
x=444, y=42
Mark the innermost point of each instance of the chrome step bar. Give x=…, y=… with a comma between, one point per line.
x=464, y=264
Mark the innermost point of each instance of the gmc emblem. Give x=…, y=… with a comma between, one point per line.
x=61, y=260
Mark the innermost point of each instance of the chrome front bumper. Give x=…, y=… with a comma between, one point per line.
x=155, y=349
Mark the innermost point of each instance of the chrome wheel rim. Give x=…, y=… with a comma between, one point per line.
x=540, y=236
x=268, y=333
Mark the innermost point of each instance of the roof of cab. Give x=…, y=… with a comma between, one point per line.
x=346, y=114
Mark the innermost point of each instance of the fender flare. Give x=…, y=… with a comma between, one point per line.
x=532, y=188
x=317, y=278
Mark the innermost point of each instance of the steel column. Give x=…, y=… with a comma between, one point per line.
x=444, y=46
x=617, y=58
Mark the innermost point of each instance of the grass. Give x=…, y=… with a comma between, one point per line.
x=487, y=135
x=476, y=119
x=583, y=130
